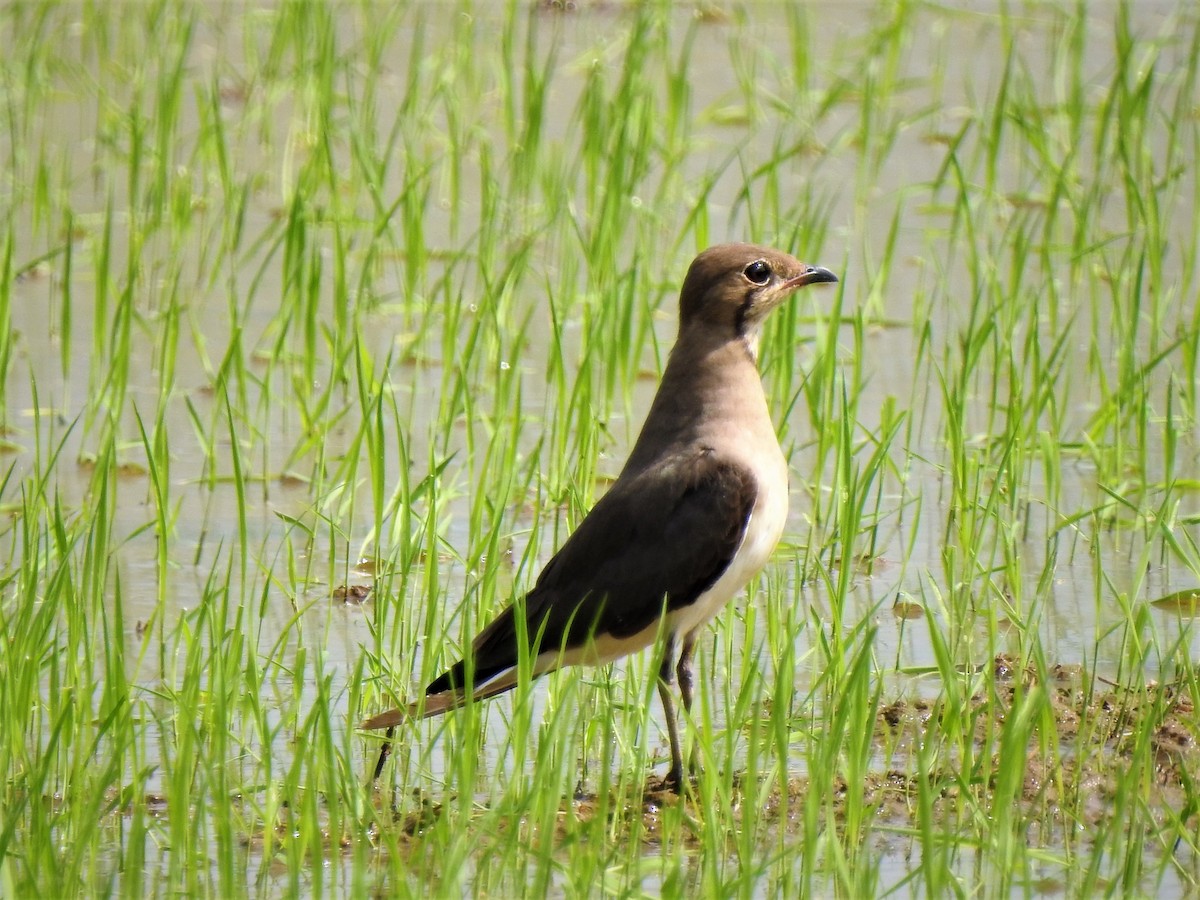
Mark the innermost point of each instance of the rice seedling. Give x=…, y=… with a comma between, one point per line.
x=321, y=327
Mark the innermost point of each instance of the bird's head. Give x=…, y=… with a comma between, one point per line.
x=732, y=287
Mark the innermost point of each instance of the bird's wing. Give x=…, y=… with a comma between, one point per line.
x=654, y=542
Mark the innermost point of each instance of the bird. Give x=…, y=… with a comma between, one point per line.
x=694, y=515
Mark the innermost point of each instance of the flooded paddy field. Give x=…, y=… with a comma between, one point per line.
x=322, y=326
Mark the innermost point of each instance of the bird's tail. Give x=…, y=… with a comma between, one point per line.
x=431, y=705
x=443, y=701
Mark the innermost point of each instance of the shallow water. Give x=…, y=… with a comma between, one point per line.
x=206, y=515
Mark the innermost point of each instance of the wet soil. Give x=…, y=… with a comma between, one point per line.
x=1084, y=743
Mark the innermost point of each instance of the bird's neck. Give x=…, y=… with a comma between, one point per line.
x=707, y=384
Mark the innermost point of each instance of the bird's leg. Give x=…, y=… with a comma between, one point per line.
x=666, y=679
x=384, y=752
x=687, y=684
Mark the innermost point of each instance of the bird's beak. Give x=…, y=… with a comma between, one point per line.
x=811, y=275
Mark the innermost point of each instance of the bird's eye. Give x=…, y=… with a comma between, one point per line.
x=758, y=272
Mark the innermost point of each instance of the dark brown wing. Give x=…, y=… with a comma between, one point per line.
x=659, y=538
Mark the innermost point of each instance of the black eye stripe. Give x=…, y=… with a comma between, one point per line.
x=758, y=272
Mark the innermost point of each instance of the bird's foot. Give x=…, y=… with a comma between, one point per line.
x=676, y=782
